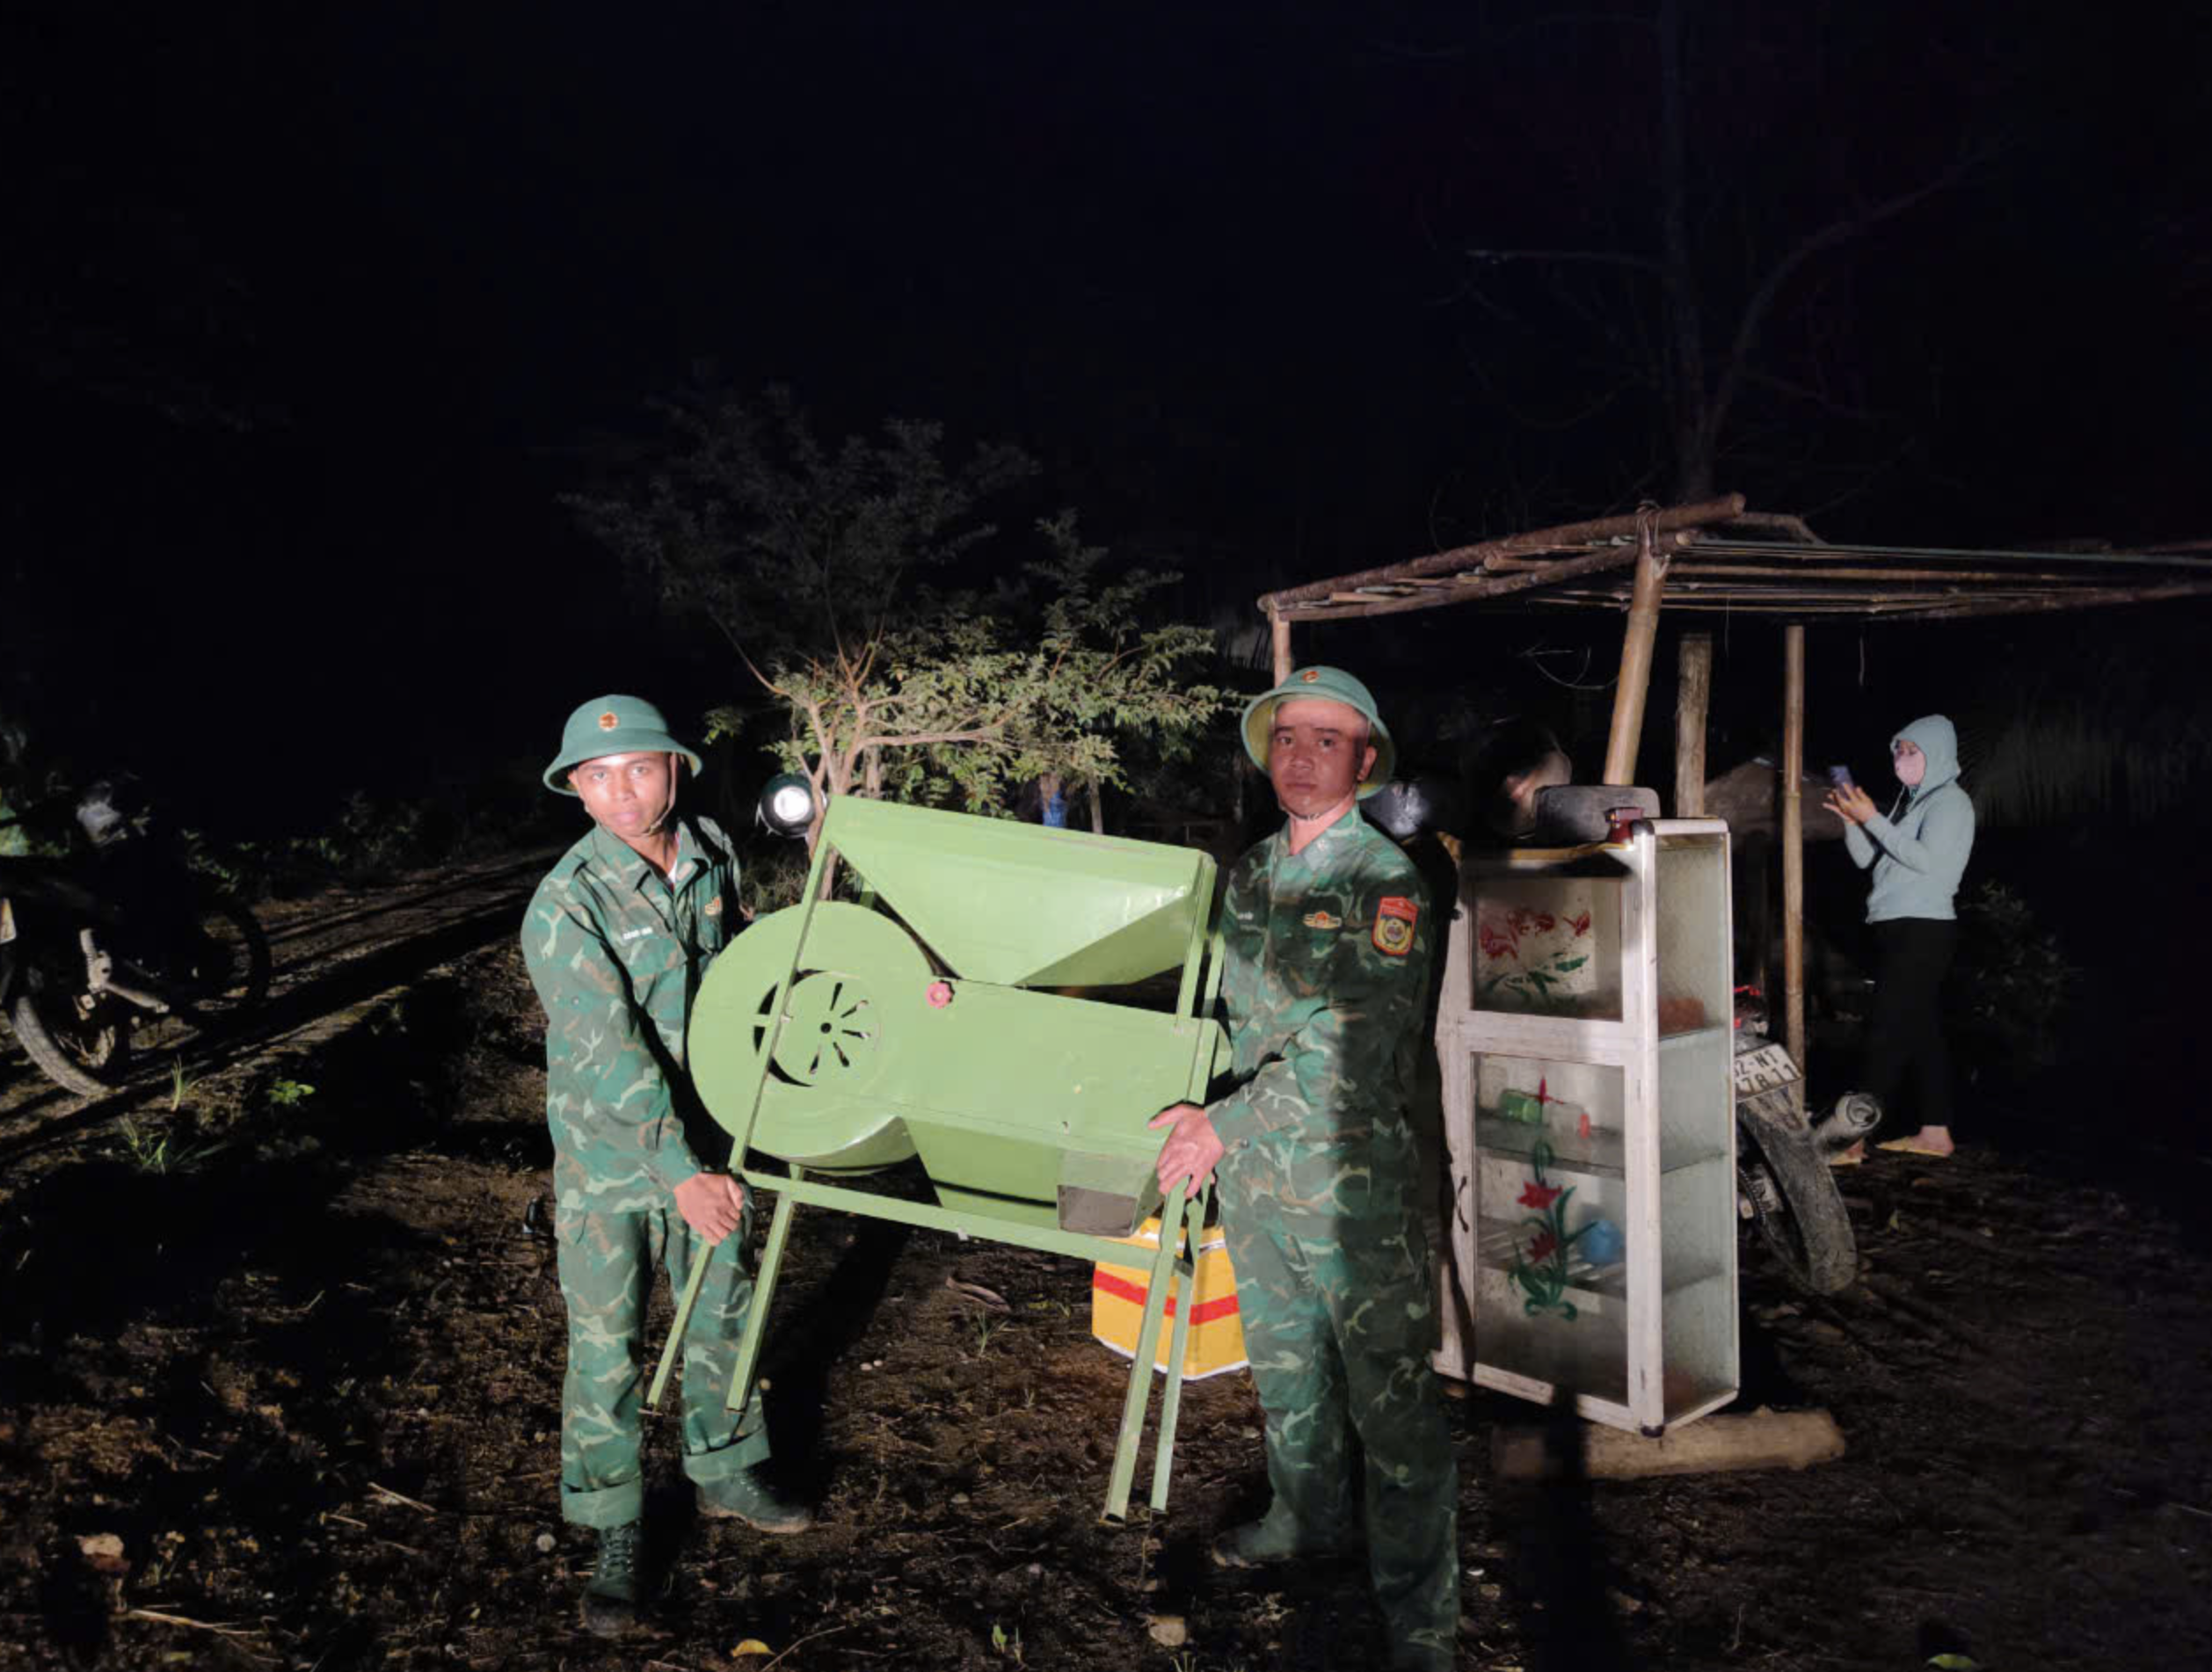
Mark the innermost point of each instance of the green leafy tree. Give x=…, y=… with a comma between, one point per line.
x=1103, y=686
x=827, y=570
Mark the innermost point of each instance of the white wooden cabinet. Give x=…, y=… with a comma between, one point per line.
x=1584, y=1039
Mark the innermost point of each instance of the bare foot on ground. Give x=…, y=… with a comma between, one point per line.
x=1928, y=1140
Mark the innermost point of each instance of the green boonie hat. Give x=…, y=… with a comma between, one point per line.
x=612, y=725
x=1333, y=685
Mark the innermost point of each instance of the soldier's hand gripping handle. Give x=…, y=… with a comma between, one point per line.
x=1192, y=1149
x=711, y=1204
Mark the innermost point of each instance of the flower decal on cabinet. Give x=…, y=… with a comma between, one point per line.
x=1540, y=1267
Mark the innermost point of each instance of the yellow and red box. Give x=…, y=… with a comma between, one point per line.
x=1216, y=1342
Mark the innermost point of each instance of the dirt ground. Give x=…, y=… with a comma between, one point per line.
x=286, y=1395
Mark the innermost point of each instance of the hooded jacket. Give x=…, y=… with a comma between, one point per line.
x=1919, y=852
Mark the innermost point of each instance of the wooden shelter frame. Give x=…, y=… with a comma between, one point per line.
x=1716, y=556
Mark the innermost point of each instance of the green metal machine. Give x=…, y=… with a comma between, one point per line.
x=841, y=1038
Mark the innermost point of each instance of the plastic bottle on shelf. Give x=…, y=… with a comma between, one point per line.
x=1602, y=1243
x=1515, y=1104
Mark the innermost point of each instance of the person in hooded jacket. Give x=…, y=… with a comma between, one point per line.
x=1917, y=853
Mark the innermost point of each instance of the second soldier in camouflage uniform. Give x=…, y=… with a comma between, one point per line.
x=1327, y=930
x=616, y=939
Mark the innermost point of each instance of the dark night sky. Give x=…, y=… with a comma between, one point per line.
x=315, y=314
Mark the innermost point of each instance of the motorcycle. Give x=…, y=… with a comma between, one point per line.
x=110, y=935
x=1784, y=1183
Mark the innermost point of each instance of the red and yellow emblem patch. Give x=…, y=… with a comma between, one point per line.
x=1323, y=920
x=607, y=722
x=1394, y=918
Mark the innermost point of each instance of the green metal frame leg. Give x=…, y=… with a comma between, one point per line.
x=1140, y=1394
x=756, y=1317
x=1163, y=1455
x=676, y=1336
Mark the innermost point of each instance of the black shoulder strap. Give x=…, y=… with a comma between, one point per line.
x=714, y=847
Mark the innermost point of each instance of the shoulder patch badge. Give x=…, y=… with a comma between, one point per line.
x=1394, y=918
x=713, y=908
x=1323, y=920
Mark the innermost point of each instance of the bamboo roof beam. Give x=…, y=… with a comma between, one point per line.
x=2096, y=599
x=1712, y=544
x=1490, y=586
x=1566, y=537
x=1702, y=564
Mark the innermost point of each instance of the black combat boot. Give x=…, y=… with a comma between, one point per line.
x=1275, y=1537
x=747, y=1496
x=610, y=1601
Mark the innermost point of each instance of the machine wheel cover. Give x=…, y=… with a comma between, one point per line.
x=832, y=1030
x=859, y=975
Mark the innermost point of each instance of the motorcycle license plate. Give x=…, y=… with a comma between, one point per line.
x=1763, y=1069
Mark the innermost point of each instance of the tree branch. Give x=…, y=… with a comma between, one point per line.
x=1561, y=258
x=1532, y=420
x=726, y=630
x=917, y=739
x=767, y=683
x=822, y=739
x=1763, y=300
x=1797, y=391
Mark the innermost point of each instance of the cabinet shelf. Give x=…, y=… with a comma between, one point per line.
x=1687, y=1397
x=1568, y=1039
x=1601, y=1154
x=1693, y=1036
x=1499, y=1245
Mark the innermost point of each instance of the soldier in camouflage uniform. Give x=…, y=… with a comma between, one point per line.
x=617, y=938
x=1328, y=931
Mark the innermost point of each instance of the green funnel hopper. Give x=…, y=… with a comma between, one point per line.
x=1024, y=906
x=1007, y=1004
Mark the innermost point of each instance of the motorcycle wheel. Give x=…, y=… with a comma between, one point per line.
x=227, y=972
x=1795, y=1200
x=87, y=1054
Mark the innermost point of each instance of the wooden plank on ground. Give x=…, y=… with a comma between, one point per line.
x=1760, y=1439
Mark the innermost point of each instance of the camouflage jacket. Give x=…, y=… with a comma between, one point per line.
x=616, y=953
x=1325, y=983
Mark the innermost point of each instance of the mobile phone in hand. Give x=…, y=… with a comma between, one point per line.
x=1840, y=776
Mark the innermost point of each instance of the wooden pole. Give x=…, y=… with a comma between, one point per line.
x=1279, y=637
x=1693, y=695
x=1794, y=847
x=1635, y=659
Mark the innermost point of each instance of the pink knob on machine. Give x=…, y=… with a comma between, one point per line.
x=940, y=994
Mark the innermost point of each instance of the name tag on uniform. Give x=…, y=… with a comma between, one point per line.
x=628, y=935
x=1323, y=920
x=1394, y=918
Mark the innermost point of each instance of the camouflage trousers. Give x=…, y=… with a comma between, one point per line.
x=607, y=1263
x=1339, y=1326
